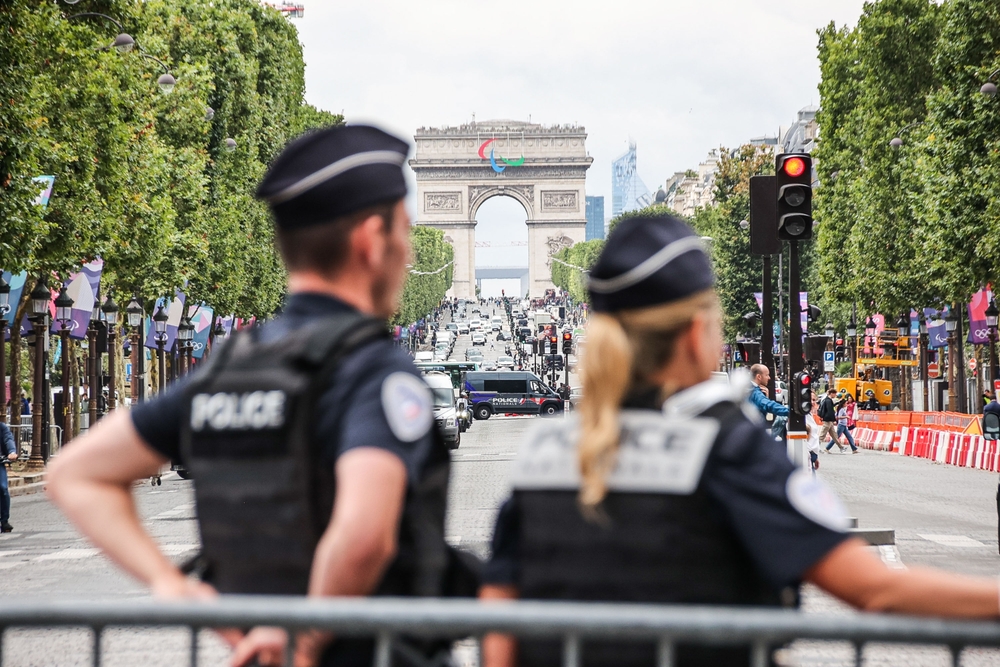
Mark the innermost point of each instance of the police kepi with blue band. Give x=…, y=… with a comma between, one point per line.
x=681, y=497
x=263, y=426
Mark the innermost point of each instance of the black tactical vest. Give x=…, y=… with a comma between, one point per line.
x=653, y=545
x=264, y=495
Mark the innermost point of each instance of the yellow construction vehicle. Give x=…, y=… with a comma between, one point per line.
x=875, y=356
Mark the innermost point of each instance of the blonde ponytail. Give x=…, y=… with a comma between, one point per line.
x=605, y=371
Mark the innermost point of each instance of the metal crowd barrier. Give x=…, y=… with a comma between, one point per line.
x=572, y=623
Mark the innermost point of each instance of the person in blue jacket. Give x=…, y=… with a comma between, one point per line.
x=8, y=450
x=758, y=395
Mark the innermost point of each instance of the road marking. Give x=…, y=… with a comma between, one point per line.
x=177, y=549
x=175, y=513
x=961, y=541
x=890, y=556
x=69, y=554
x=13, y=552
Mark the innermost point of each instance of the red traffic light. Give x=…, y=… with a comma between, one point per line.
x=794, y=167
x=567, y=336
x=553, y=339
x=806, y=380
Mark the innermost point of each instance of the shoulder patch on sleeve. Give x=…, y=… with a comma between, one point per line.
x=816, y=501
x=407, y=404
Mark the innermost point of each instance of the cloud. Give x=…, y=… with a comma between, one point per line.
x=679, y=78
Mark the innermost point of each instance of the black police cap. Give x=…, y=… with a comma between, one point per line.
x=324, y=175
x=649, y=261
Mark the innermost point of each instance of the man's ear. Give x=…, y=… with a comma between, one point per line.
x=368, y=240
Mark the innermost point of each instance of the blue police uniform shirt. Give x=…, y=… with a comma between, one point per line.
x=778, y=511
x=357, y=410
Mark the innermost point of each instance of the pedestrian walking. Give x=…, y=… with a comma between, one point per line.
x=733, y=522
x=8, y=450
x=828, y=414
x=311, y=438
x=843, y=421
x=814, y=431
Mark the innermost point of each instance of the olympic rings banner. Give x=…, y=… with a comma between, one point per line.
x=497, y=167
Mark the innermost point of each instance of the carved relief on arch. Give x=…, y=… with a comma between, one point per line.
x=555, y=244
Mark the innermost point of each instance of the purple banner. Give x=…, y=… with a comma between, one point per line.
x=201, y=317
x=174, y=311
x=83, y=288
x=16, y=283
x=979, y=333
x=937, y=332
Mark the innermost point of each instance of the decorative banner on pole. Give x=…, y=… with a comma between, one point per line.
x=979, y=333
x=937, y=331
x=46, y=182
x=16, y=283
x=201, y=317
x=83, y=288
x=174, y=318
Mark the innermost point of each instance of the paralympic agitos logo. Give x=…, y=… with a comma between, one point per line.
x=493, y=157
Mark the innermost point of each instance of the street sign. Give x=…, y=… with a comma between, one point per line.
x=932, y=370
x=972, y=364
x=828, y=363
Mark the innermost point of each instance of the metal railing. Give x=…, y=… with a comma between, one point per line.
x=386, y=619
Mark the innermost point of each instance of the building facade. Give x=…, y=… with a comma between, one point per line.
x=595, y=218
x=628, y=192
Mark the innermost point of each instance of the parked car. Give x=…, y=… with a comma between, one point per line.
x=575, y=394
x=781, y=392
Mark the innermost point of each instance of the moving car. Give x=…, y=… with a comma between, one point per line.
x=463, y=328
x=496, y=324
x=478, y=339
x=423, y=356
x=504, y=361
x=445, y=410
x=510, y=392
x=451, y=326
x=475, y=355
x=781, y=392
x=476, y=325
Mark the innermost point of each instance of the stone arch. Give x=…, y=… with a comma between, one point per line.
x=548, y=179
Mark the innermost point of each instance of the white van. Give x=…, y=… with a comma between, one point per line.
x=423, y=356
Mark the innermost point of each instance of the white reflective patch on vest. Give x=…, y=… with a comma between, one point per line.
x=408, y=406
x=657, y=454
x=816, y=501
x=255, y=410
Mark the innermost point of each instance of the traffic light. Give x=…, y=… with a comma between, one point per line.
x=567, y=343
x=801, y=389
x=794, y=189
x=534, y=346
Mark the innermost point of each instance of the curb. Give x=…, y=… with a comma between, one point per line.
x=27, y=484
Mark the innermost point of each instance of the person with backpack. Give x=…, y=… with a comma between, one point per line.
x=318, y=469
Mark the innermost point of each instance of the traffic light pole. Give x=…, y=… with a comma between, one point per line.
x=767, y=326
x=797, y=434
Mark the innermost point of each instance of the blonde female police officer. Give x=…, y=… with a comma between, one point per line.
x=663, y=490
x=317, y=466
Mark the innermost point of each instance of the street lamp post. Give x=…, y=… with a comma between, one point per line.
x=4, y=309
x=110, y=309
x=923, y=360
x=992, y=315
x=852, y=336
x=160, y=326
x=64, y=315
x=134, y=313
x=951, y=324
x=902, y=350
x=870, y=328
x=185, y=334
x=39, y=309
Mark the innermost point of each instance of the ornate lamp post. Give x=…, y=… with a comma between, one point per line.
x=992, y=315
x=64, y=315
x=870, y=328
x=160, y=326
x=951, y=324
x=134, y=314
x=110, y=309
x=39, y=310
x=852, y=336
x=902, y=350
x=923, y=359
x=4, y=309
x=185, y=334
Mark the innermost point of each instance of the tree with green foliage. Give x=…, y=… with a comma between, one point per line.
x=430, y=277
x=569, y=267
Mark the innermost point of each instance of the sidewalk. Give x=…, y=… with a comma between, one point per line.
x=23, y=484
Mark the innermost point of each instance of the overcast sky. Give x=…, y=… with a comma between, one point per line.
x=678, y=78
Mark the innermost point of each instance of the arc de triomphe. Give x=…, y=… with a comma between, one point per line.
x=543, y=168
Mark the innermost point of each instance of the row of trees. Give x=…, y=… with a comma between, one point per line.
x=919, y=225
x=431, y=275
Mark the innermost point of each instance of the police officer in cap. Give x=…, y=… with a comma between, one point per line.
x=311, y=439
x=665, y=488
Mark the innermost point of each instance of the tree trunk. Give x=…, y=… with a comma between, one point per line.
x=74, y=375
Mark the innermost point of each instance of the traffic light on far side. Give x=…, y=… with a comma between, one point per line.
x=794, y=189
x=567, y=343
x=801, y=390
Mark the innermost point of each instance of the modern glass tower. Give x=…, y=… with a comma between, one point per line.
x=595, y=218
x=628, y=192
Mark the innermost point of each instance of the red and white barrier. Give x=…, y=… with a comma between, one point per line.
x=957, y=449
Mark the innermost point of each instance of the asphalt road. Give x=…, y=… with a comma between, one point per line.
x=943, y=516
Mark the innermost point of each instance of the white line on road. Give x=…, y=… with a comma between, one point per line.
x=962, y=541
x=10, y=553
x=69, y=554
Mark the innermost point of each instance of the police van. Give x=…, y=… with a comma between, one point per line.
x=510, y=392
